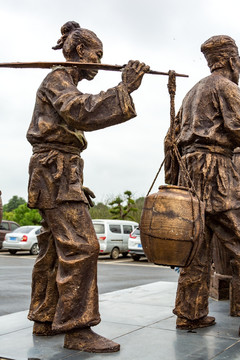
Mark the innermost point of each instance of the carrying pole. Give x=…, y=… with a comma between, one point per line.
x=97, y=66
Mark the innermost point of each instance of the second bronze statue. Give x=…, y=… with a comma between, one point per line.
x=206, y=133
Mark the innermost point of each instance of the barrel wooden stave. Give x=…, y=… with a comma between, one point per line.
x=171, y=226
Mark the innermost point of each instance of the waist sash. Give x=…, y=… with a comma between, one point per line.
x=214, y=149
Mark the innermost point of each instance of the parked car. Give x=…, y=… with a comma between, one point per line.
x=22, y=239
x=113, y=236
x=6, y=227
x=135, y=248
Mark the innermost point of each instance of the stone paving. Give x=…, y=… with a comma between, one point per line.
x=141, y=320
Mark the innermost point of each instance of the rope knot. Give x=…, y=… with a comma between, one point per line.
x=171, y=82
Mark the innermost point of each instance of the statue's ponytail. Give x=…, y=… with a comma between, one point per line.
x=66, y=30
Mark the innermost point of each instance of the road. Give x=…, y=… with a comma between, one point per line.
x=15, y=277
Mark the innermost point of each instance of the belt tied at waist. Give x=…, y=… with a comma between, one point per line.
x=213, y=149
x=57, y=153
x=39, y=148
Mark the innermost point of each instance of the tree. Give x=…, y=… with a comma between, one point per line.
x=139, y=205
x=23, y=215
x=100, y=211
x=13, y=203
x=121, y=211
x=113, y=206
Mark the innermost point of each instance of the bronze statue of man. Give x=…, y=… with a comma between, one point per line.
x=207, y=132
x=64, y=280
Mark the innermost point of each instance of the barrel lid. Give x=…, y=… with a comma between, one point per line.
x=174, y=187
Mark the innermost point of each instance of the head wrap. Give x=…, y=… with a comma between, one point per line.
x=218, y=50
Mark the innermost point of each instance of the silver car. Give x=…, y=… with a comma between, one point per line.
x=22, y=239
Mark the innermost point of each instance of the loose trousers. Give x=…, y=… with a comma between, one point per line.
x=193, y=285
x=64, y=278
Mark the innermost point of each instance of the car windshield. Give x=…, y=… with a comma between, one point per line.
x=99, y=228
x=23, y=229
x=136, y=232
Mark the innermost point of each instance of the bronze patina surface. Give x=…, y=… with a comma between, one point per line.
x=96, y=66
x=207, y=132
x=171, y=226
x=64, y=281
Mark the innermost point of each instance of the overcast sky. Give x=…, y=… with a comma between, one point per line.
x=165, y=34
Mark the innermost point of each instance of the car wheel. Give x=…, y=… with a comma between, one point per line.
x=125, y=254
x=135, y=257
x=34, y=249
x=115, y=253
x=12, y=252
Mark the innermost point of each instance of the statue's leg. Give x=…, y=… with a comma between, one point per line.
x=77, y=250
x=235, y=288
x=191, y=304
x=44, y=296
x=227, y=230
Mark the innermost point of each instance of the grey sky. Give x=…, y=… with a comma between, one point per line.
x=165, y=34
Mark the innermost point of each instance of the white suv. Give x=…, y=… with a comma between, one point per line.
x=135, y=248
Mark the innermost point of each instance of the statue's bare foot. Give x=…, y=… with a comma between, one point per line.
x=87, y=340
x=44, y=329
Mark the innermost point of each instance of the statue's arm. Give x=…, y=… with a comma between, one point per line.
x=229, y=99
x=84, y=111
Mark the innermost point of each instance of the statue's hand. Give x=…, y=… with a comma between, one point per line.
x=89, y=194
x=133, y=73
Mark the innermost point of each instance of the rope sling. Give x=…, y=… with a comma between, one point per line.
x=172, y=93
x=156, y=207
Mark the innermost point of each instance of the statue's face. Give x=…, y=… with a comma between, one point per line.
x=90, y=54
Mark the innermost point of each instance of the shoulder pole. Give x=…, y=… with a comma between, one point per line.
x=97, y=66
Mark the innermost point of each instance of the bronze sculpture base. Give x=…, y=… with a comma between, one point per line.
x=185, y=324
x=87, y=340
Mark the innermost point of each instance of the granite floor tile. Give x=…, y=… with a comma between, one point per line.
x=14, y=322
x=141, y=321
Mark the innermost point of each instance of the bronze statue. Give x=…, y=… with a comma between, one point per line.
x=64, y=280
x=207, y=132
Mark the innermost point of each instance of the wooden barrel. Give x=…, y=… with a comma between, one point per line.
x=172, y=225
